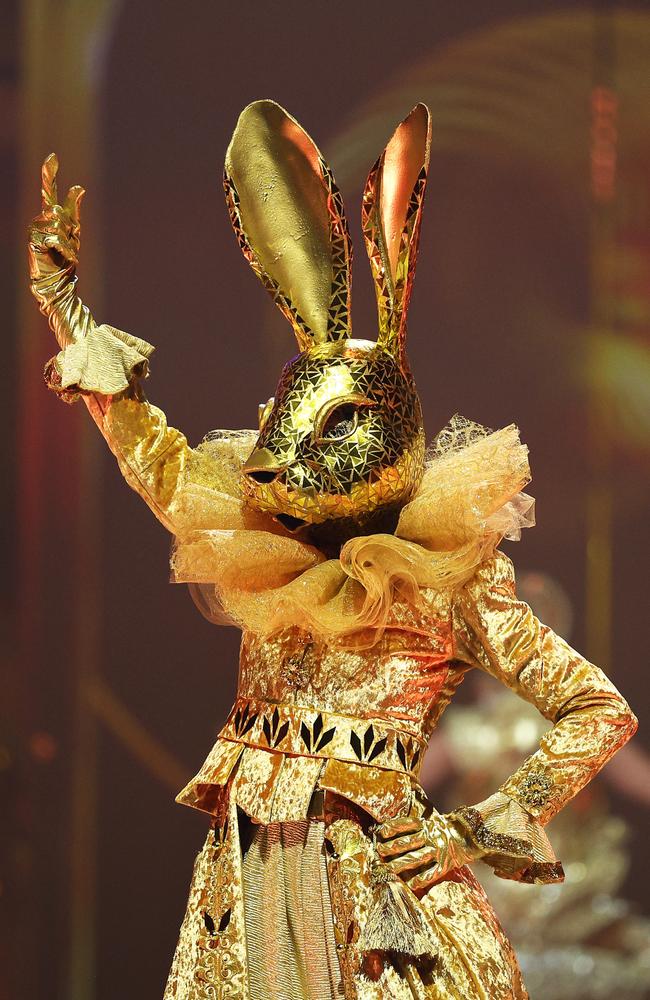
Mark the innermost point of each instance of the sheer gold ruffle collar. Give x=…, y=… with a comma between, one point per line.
x=244, y=569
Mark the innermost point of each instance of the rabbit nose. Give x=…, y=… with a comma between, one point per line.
x=262, y=467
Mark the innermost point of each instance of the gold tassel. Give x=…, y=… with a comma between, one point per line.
x=396, y=921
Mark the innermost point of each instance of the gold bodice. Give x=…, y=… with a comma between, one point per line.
x=310, y=713
x=393, y=693
x=399, y=680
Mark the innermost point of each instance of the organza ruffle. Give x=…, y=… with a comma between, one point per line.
x=105, y=361
x=470, y=489
x=259, y=577
x=514, y=843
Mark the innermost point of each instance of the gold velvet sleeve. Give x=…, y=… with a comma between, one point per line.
x=591, y=720
x=103, y=365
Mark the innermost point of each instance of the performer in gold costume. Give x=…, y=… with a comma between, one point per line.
x=365, y=575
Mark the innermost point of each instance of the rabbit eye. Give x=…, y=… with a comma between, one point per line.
x=340, y=423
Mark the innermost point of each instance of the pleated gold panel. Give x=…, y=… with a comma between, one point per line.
x=288, y=914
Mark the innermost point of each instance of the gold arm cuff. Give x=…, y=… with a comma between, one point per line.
x=527, y=857
x=105, y=361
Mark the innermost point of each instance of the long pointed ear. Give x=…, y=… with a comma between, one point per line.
x=288, y=217
x=391, y=213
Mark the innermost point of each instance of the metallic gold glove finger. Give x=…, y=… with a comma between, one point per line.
x=52, y=222
x=55, y=230
x=72, y=204
x=64, y=246
x=424, y=880
x=398, y=827
x=49, y=171
x=414, y=860
x=401, y=845
x=45, y=222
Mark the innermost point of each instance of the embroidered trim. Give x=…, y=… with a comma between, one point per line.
x=488, y=839
x=537, y=872
x=307, y=732
x=535, y=789
x=543, y=872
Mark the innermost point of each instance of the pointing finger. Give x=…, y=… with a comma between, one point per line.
x=72, y=202
x=48, y=181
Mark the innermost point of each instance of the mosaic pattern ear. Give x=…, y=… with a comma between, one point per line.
x=288, y=217
x=390, y=216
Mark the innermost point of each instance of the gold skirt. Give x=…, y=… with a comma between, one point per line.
x=264, y=919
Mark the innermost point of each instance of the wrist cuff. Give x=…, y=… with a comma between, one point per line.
x=106, y=361
x=515, y=844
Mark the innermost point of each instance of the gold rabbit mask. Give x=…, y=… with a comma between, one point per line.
x=342, y=440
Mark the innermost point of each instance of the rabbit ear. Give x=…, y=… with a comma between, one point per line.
x=288, y=217
x=390, y=216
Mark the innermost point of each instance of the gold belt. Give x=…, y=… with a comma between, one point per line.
x=310, y=732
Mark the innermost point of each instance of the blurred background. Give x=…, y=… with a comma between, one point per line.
x=532, y=305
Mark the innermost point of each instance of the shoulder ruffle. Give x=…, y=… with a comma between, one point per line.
x=471, y=488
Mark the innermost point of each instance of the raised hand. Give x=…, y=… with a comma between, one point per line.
x=57, y=229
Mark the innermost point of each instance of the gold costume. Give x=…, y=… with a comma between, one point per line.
x=366, y=579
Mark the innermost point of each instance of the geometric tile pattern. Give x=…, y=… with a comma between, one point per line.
x=343, y=437
x=338, y=322
x=339, y=325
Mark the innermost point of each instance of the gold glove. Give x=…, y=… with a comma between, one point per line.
x=53, y=249
x=423, y=851
x=56, y=230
